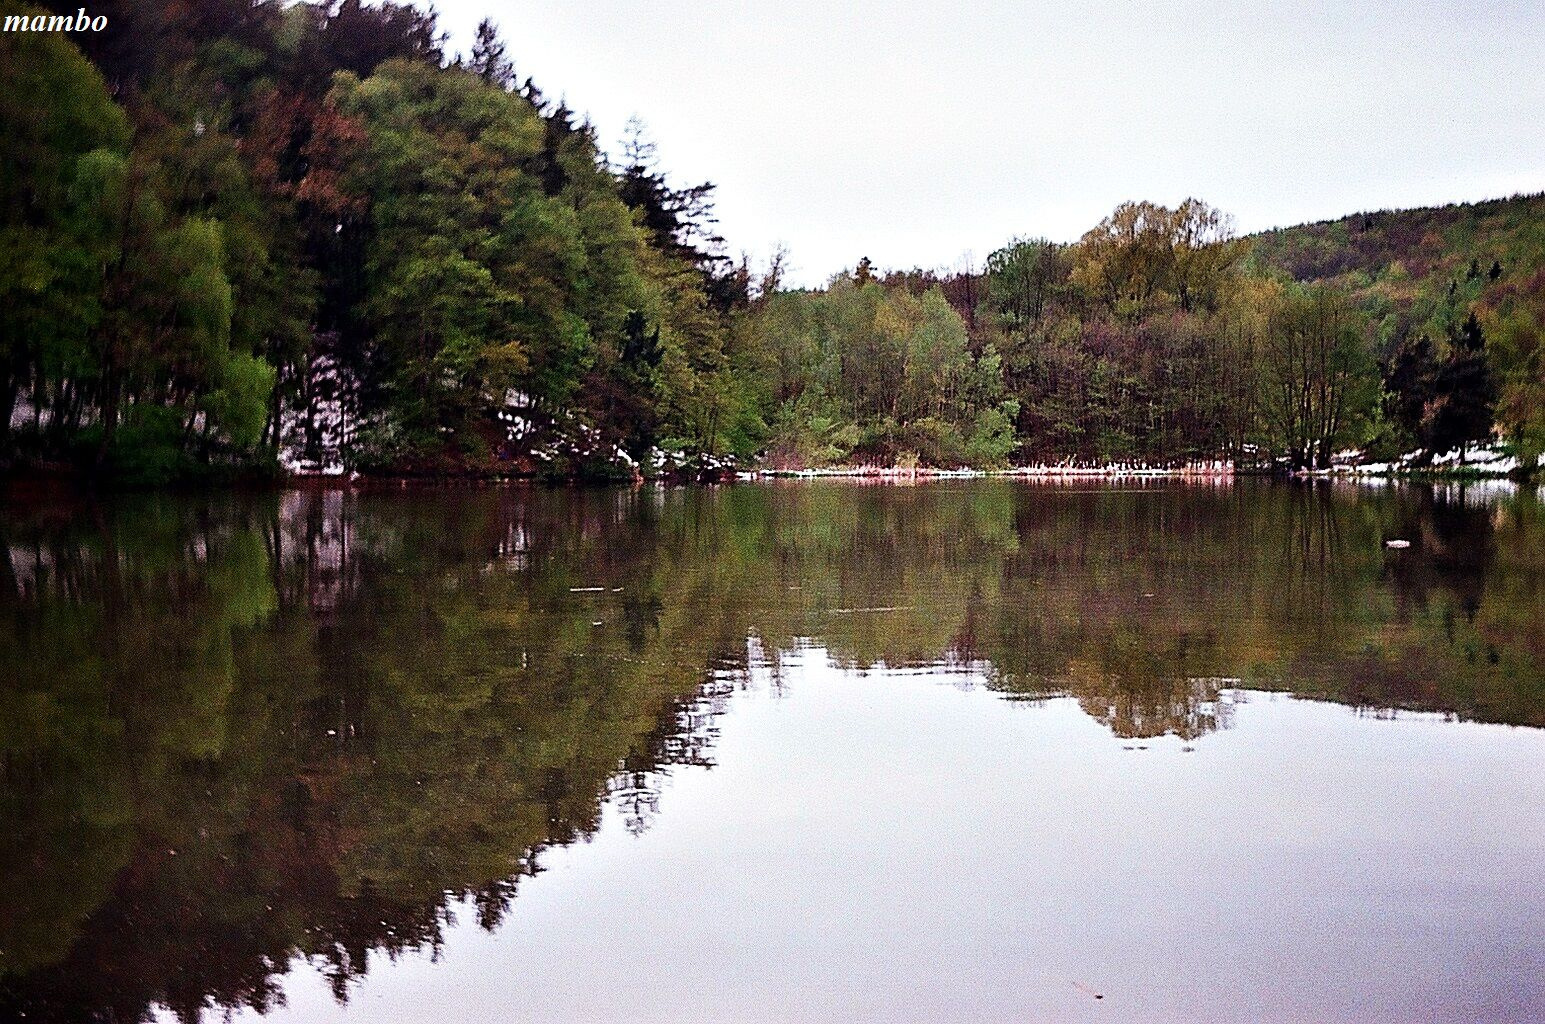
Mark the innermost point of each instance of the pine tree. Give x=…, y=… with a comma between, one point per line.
x=1464, y=392
x=489, y=59
x=1408, y=384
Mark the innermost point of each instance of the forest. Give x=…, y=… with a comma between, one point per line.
x=243, y=239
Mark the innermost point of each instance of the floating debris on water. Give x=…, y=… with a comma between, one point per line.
x=1086, y=990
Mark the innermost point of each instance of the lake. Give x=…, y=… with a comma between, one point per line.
x=965, y=751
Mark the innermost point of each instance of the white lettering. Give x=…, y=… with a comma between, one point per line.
x=80, y=21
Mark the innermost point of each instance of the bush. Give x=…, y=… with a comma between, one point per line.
x=146, y=450
x=992, y=439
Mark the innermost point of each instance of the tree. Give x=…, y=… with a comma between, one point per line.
x=1516, y=344
x=1464, y=392
x=61, y=132
x=469, y=263
x=359, y=38
x=489, y=60
x=1445, y=404
x=680, y=220
x=1205, y=254
x=1145, y=253
x=1318, y=381
x=1023, y=278
x=864, y=272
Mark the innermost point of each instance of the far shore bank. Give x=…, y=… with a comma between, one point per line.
x=1489, y=464
x=858, y=474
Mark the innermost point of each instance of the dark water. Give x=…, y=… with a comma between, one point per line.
x=976, y=752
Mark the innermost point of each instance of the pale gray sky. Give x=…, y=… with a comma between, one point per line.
x=914, y=133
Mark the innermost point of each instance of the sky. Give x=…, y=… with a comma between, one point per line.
x=928, y=134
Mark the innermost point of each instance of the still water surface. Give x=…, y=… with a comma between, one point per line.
x=978, y=751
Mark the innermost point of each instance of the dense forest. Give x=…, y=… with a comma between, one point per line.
x=1160, y=336
x=240, y=236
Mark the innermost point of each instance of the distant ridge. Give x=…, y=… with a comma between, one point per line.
x=1428, y=242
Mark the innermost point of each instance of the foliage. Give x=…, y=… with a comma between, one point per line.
x=1318, y=383
x=1437, y=279
x=317, y=206
x=1160, y=337
x=862, y=372
x=308, y=229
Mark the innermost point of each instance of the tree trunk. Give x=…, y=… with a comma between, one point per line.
x=8, y=392
x=109, y=413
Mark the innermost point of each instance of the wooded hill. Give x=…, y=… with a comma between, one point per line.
x=1424, y=271
x=1454, y=244
x=1159, y=336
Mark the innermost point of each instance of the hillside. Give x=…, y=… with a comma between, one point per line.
x=1425, y=268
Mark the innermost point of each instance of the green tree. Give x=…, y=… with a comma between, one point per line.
x=1318, y=381
x=62, y=136
x=1516, y=342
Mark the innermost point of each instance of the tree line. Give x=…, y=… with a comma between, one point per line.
x=1160, y=337
x=234, y=230
x=221, y=217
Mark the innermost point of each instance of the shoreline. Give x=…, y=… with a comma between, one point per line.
x=1213, y=472
x=1040, y=471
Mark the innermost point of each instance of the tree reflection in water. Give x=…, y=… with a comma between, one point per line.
x=242, y=732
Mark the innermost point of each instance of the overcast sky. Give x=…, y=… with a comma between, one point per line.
x=916, y=133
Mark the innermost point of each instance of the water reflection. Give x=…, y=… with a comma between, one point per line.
x=243, y=732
